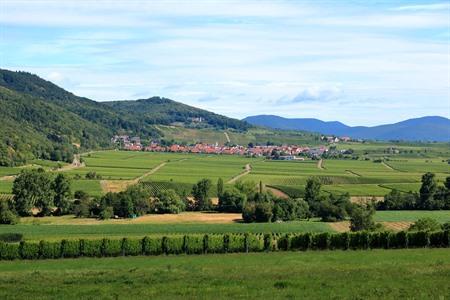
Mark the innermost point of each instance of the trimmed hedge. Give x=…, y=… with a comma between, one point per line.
x=91, y=248
x=193, y=244
x=152, y=246
x=29, y=250
x=70, y=248
x=220, y=243
x=50, y=249
x=9, y=251
x=132, y=246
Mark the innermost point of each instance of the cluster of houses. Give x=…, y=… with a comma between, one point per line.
x=286, y=152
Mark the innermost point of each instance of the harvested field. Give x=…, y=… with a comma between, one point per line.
x=396, y=226
x=343, y=226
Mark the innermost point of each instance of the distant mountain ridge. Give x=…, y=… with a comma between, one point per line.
x=430, y=128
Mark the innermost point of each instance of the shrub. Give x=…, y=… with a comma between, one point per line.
x=91, y=248
x=284, y=242
x=29, y=250
x=378, y=240
x=112, y=247
x=9, y=251
x=193, y=244
x=437, y=239
x=340, y=241
x=254, y=242
x=236, y=243
x=152, y=245
x=302, y=241
x=50, y=249
x=418, y=239
x=269, y=242
x=398, y=240
x=131, y=246
x=425, y=224
x=321, y=240
x=215, y=243
x=70, y=248
x=11, y=237
x=173, y=244
x=359, y=240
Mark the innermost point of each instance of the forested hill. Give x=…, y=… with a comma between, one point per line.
x=164, y=111
x=41, y=120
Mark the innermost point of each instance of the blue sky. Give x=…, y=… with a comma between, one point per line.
x=359, y=63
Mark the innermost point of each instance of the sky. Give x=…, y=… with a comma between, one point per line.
x=358, y=62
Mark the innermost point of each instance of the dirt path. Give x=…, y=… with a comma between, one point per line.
x=227, y=136
x=248, y=169
x=76, y=163
x=320, y=164
x=121, y=185
x=353, y=173
x=387, y=166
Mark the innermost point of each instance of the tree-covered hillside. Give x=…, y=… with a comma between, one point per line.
x=41, y=120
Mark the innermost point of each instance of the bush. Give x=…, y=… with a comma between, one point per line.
x=106, y=213
x=418, y=239
x=321, y=241
x=340, y=241
x=132, y=246
x=193, y=244
x=50, y=249
x=152, y=245
x=269, y=242
x=29, y=250
x=214, y=243
x=425, y=224
x=359, y=240
x=70, y=248
x=173, y=244
x=398, y=240
x=236, y=243
x=302, y=241
x=91, y=248
x=254, y=242
x=11, y=237
x=112, y=247
x=9, y=251
x=284, y=242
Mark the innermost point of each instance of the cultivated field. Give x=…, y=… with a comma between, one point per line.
x=381, y=274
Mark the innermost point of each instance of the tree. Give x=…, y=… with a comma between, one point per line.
x=33, y=188
x=447, y=183
x=232, y=200
x=427, y=191
x=396, y=200
x=7, y=216
x=334, y=208
x=312, y=190
x=61, y=188
x=169, y=202
x=200, y=191
x=425, y=224
x=106, y=213
x=290, y=209
x=361, y=218
x=219, y=187
x=247, y=188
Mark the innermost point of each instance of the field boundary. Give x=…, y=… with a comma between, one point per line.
x=247, y=170
x=222, y=243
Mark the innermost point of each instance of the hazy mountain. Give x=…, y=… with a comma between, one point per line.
x=433, y=128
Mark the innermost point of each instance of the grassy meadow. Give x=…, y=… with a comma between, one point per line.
x=374, y=274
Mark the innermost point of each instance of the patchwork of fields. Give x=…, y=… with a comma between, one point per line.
x=168, y=170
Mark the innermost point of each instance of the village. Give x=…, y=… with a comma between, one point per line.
x=278, y=152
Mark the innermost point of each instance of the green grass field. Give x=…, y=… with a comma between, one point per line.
x=57, y=232
x=412, y=215
x=374, y=274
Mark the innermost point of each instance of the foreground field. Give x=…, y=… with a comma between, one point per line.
x=386, y=274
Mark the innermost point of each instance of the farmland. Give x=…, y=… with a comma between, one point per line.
x=163, y=170
x=386, y=274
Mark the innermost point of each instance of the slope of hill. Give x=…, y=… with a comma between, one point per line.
x=157, y=110
x=42, y=120
x=432, y=128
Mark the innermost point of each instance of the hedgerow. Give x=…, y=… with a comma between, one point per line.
x=220, y=243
